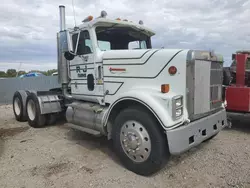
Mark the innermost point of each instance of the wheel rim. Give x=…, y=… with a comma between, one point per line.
x=31, y=110
x=135, y=141
x=17, y=106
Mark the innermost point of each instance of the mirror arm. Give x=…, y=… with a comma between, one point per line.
x=78, y=37
x=76, y=47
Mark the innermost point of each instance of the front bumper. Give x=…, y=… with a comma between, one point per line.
x=185, y=137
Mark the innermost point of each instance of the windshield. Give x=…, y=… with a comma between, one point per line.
x=120, y=38
x=247, y=65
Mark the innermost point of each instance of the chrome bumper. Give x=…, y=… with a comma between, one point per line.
x=185, y=137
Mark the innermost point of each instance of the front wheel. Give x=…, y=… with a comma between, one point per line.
x=139, y=142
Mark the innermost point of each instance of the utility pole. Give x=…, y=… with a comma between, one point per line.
x=18, y=69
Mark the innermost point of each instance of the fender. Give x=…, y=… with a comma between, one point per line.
x=160, y=104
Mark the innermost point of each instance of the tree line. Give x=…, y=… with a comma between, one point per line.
x=13, y=72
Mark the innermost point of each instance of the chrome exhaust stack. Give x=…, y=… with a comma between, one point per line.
x=62, y=17
x=62, y=44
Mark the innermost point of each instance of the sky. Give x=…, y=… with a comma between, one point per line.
x=28, y=27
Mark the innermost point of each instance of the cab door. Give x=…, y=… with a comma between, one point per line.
x=85, y=78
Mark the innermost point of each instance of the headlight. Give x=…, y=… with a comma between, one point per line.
x=178, y=112
x=178, y=102
x=177, y=107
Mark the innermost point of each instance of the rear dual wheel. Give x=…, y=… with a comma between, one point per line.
x=34, y=116
x=19, y=106
x=139, y=142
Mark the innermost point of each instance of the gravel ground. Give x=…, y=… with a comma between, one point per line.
x=58, y=156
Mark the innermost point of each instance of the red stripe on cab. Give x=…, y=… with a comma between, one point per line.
x=116, y=69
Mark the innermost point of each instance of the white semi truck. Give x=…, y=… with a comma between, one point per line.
x=152, y=103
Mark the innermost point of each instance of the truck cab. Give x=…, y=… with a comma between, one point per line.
x=97, y=44
x=152, y=103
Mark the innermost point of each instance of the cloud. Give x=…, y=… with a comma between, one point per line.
x=28, y=28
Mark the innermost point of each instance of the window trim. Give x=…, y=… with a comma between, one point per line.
x=78, y=37
x=148, y=40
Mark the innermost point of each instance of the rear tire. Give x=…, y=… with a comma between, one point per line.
x=19, y=108
x=35, y=118
x=136, y=128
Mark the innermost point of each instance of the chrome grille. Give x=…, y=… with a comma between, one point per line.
x=216, y=85
x=201, y=84
x=204, y=86
x=214, y=93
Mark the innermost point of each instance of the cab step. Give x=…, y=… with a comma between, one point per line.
x=86, y=130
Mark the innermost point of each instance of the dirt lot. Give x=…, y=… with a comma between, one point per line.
x=58, y=156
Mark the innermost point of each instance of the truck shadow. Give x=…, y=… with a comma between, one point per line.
x=175, y=161
x=1, y=147
x=240, y=124
x=91, y=142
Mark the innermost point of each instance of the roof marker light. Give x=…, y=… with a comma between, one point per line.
x=103, y=14
x=89, y=18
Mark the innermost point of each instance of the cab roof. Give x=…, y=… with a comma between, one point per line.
x=104, y=22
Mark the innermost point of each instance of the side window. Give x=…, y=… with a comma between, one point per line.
x=84, y=43
x=143, y=44
x=88, y=43
x=104, y=45
x=137, y=45
x=134, y=45
x=248, y=64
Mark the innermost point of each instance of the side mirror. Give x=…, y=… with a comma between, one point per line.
x=69, y=56
x=66, y=46
x=65, y=42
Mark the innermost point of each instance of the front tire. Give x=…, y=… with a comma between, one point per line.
x=35, y=118
x=139, y=142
